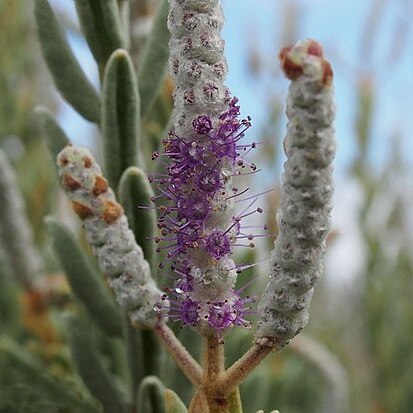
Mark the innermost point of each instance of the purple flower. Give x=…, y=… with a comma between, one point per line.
x=209, y=181
x=218, y=244
x=189, y=312
x=199, y=238
x=202, y=125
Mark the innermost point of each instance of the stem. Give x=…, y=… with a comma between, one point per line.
x=199, y=403
x=244, y=366
x=213, y=368
x=185, y=361
x=213, y=359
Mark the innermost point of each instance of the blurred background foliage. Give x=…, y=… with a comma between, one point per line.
x=360, y=354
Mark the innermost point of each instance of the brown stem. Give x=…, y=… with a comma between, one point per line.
x=214, y=366
x=244, y=366
x=213, y=359
x=185, y=361
x=199, y=403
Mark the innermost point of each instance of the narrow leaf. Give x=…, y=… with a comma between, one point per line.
x=135, y=192
x=100, y=23
x=154, y=60
x=135, y=356
x=84, y=280
x=234, y=401
x=151, y=398
x=120, y=116
x=54, y=135
x=91, y=369
x=173, y=404
x=16, y=239
x=152, y=351
x=22, y=360
x=65, y=69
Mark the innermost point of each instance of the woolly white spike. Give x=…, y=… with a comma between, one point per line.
x=113, y=243
x=304, y=214
x=197, y=62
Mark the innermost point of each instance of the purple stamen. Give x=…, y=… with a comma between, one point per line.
x=194, y=188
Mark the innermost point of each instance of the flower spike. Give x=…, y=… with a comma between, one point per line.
x=198, y=223
x=113, y=243
x=304, y=215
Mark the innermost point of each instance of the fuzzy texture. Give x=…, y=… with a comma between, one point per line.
x=304, y=214
x=106, y=226
x=198, y=220
x=16, y=239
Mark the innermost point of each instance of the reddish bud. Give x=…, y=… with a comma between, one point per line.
x=100, y=186
x=314, y=48
x=327, y=73
x=87, y=162
x=82, y=211
x=283, y=52
x=63, y=160
x=70, y=183
x=293, y=60
x=111, y=212
x=291, y=69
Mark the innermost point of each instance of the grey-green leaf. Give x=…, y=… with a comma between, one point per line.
x=173, y=404
x=234, y=401
x=151, y=399
x=16, y=239
x=100, y=23
x=135, y=192
x=54, y=135
x=33, y=367
x=121, y=126
x=154, y=60
x=65, y=69
x=90, y=368
x=135, y=356
x=84, y=280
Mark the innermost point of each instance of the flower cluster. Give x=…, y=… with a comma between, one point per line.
x=197, y=189
x=195, y=175
x=198, y=224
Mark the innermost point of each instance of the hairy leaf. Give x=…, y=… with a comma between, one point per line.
x=84, y=280
x=54, y=135
x=136, y=192
x=154, y=60
x=173, y=404
x=65, y=69
x=100, y=23
x=120, y=117
x=33, y=367
x=90, y=368
x=151, y=398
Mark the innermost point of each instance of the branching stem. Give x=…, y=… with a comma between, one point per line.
x=213, y=359
x=244, y=366
x=180, y=354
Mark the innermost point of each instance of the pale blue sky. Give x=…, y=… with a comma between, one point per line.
x=339, y=26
